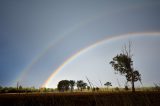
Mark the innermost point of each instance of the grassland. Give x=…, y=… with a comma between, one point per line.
x=140, y=98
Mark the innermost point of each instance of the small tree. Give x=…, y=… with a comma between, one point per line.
x=84, y=85
x=93, y=89
x=108, y=84
x=81, y=85
x=63, y=85
x=126, y=86
x=88, y=88
x=20, y=87
x=72, y=84
x=97, y=89
x=123, y=64
x=1, y=87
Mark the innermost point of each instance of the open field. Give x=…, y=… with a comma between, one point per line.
x=82, y=99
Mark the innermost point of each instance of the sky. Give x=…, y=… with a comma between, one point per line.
x=39, y=36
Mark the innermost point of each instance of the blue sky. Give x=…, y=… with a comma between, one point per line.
x=47, y=33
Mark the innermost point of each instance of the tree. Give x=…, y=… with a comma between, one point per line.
x=84, y=85
x=126, y=86
x=108, y=84
x=81, y=85
x=88, y=88
x=20, y=87
x=63, y=85
x=1, y=87
x=123, y=64
x=72, y=84
x=97, y=89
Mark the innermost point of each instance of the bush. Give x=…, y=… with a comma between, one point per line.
x=116, y=89
x=126, y=88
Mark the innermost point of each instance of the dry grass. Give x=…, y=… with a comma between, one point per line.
x=82, y=99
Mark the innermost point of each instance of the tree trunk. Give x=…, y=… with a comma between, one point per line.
x=133, y=89
x=72, y=89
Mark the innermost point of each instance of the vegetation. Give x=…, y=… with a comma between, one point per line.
x=81, y=85
x=83, y=95
x=19, y=90
x=82, y=99
x=108, y=84
x=72, y=84
x=51, y=97
x=123, y=64
x=63, y=85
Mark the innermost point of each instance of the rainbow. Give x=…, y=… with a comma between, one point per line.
x=51, y=45
x=92, y=46
x=54, y=43
x=26, y=69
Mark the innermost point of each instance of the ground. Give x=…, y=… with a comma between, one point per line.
x=82, y=99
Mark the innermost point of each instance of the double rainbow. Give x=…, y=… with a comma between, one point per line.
x=92, y=46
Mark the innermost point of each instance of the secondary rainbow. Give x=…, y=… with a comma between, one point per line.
x=26, y=69
x=51, y=45
x=98, y=43
x=54, y=43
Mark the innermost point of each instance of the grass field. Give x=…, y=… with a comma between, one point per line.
x=82, y=99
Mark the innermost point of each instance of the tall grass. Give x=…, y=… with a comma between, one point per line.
x=82, y=99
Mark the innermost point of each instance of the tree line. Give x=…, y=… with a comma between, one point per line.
x=65, y=85
x=69, y=85
x=18, y=89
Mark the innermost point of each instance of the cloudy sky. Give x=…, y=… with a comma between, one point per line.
x=37, y=37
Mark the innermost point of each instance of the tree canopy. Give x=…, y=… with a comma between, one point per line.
x=81, y=84
x=63, y=85
x=123, y=64
x=108, y=84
